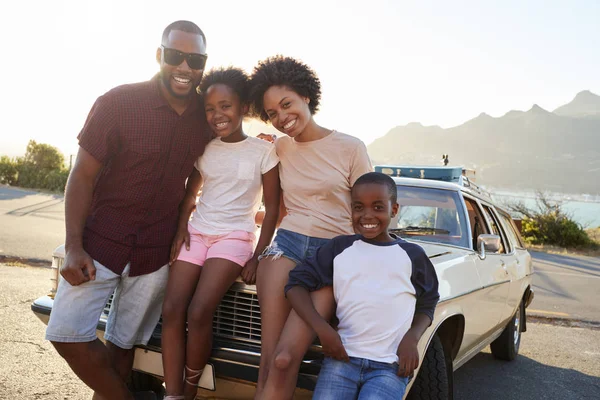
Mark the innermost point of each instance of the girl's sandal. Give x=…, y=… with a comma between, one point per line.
x=193, y=375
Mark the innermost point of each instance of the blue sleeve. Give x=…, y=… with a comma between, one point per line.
x=425, y=281
x=317, y=271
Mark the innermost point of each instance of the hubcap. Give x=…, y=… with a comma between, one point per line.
x=517, y=332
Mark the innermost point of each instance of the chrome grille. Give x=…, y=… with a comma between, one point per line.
x=237, y=316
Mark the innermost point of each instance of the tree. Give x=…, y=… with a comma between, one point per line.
x=43, y=156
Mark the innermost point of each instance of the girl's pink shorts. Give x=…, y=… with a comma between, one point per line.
x=237, y=246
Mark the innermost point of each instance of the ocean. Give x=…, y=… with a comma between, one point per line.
x=584, y=209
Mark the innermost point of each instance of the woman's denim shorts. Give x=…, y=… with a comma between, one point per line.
x=295, y=246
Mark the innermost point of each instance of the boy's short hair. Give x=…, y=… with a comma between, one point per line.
x=379, y=179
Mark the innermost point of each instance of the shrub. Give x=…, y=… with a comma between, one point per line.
x=8, y=171
x=549, y=224
x=57, y=180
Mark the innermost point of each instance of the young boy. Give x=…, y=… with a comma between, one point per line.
x=386, y=291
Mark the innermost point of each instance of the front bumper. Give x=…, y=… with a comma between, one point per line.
x=231, y=359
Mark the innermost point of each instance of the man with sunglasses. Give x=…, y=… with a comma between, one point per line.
x=137, y=148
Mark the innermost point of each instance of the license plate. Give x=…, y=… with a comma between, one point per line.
x=151, y=362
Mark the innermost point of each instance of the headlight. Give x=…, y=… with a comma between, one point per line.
x=57, y=262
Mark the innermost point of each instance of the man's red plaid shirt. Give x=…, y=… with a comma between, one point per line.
x=147, y=151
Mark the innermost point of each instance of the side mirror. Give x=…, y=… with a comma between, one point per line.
x=489, y=243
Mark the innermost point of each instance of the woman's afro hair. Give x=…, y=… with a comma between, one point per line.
x=283, y=71
x=233, y=77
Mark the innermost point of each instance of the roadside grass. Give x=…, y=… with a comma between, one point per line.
x=592, y=251
x=13, y=261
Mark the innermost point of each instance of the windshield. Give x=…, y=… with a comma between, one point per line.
x=432, y=215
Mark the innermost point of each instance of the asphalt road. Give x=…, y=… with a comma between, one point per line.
x=565, y=286
x=32, y=224
x=555, y=362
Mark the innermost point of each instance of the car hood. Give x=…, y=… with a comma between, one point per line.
x=435, y=251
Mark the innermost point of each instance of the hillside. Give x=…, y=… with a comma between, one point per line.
x=534, y=149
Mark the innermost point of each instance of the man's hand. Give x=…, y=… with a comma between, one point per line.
x=267, y=137
x=332, y=343
x=182, y=236
x=408, y=355
x=78, y=267
x=248, y=273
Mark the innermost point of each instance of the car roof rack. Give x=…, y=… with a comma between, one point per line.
x=464, y=177
x=445, y=174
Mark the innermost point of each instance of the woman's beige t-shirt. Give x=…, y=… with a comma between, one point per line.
x=316, y=178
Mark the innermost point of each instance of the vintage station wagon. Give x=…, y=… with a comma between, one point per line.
x=484, y=274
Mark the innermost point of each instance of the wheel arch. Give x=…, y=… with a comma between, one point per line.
x=527, y=298
x=451, y=332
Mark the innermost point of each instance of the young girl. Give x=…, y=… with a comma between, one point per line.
x=318, y=166
x=217, y=244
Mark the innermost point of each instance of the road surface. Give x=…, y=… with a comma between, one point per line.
x=31, y=224
x=566, y=286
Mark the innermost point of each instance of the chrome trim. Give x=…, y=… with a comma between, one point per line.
x=441, y=254
x=238, y=351
x=477, y=348
x=256, y=354
x=497, y=283
x=227, y=361
x=473, y=291
x=460, y=295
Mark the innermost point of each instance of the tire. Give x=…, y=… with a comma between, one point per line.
x=506, y=347
x=140, y=382
x=434, y=380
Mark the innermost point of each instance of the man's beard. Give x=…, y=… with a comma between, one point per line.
x=166, y=80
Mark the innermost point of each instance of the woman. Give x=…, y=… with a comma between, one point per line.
x=318, y=166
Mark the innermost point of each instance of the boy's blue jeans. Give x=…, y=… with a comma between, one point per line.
x=359, y=379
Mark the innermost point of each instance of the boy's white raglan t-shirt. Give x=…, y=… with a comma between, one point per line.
x=377, y=286
x=232, y=185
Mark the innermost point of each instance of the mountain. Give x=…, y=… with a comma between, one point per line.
x=586, y=104
x=535, y=149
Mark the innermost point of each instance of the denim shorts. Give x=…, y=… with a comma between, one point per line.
x=133, y=315
x=295, y=246
x=359, y=378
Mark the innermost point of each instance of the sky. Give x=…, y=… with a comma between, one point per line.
x=381, y=63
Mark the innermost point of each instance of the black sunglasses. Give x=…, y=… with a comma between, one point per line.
x=175, y=57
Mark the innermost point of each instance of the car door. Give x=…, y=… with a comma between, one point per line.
x=507, y=256
x=521, y=268
x=493, y=275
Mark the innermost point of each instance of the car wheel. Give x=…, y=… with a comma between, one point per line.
x=140, y=382
x=434, y=380
x=506, y=347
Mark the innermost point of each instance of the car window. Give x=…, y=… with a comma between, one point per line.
x=496, y=230
x=432, y=215
x=477, y=221
x=511, y=230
